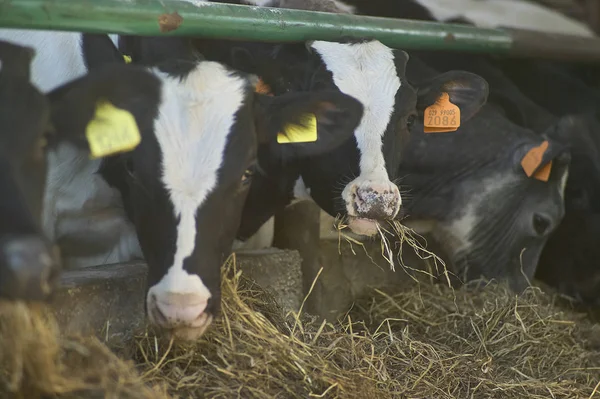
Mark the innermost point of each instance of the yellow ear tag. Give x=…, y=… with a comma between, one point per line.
x=298, y=133
x=127, y=59
x=441, y=117
x=112, y=130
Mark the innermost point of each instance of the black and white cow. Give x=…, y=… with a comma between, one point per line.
x=31, y=123
x=356, y=179
x=517, y=89
x=482, y=13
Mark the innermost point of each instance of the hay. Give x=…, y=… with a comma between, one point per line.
x=426, y=342
x=35, y=362
x=423, y=343
x=402, y=236
x=487, y=343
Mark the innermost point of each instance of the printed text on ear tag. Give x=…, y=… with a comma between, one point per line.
x=443, y=116
x=532, y=160
x=299, y=133
x=112, y=130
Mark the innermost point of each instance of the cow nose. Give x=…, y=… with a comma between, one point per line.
x=377, y=201
x=29, y=270
x=184, y=315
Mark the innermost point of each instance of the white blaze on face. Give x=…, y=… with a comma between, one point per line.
x=367, y=72
x=195, y=119
x=457, y=236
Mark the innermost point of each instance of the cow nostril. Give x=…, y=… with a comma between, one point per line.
x=541, y=224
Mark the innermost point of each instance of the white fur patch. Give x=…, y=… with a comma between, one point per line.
x=367, y=72
x=58, y=58
x=563, y=183
x=334, y=6
x=506, y=13
x=457, y=235
x=194, y=122
x=301, y=192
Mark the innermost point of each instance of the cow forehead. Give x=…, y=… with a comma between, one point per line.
x=196, y=119
x=367, y=72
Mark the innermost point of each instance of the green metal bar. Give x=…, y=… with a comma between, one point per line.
x=214, y=20
x=211, y=20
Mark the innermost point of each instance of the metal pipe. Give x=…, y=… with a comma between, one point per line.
x=213, y=20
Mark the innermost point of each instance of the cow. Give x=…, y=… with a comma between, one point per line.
x=569, y=261
x=481, y=13
x=192, y=176
x=33, y=123
x=520, y=90
x=472, y=195
x=356, y=180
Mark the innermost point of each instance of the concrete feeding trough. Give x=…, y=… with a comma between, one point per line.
x=108, y=300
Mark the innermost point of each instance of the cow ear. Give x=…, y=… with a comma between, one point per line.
x=306, y=124
x=242, y=59
x=466, y=90
x=106, y=110
x=99, y=50
x=531, y=158
x=154, y=50
x=15, y=60
x=401, y=58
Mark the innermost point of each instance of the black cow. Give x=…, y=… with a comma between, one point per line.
x=470, y=192
x=569, y=261
x=31, y=123
x=536, y=94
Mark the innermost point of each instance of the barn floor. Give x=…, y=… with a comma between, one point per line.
x=428, y=341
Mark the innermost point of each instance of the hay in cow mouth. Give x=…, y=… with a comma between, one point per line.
x=392, y=239
x=426, y=342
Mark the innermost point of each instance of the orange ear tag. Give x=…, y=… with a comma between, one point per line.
x=442, y=117
x=262, y=88
x=544, y=173
x=532, y=160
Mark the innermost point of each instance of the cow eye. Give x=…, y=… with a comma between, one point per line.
x=247, y=176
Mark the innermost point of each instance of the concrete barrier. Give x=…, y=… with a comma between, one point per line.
x=108, y=301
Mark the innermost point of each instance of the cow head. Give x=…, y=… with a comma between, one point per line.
x=185, y=185
x=472, y=194
x=355, y=180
